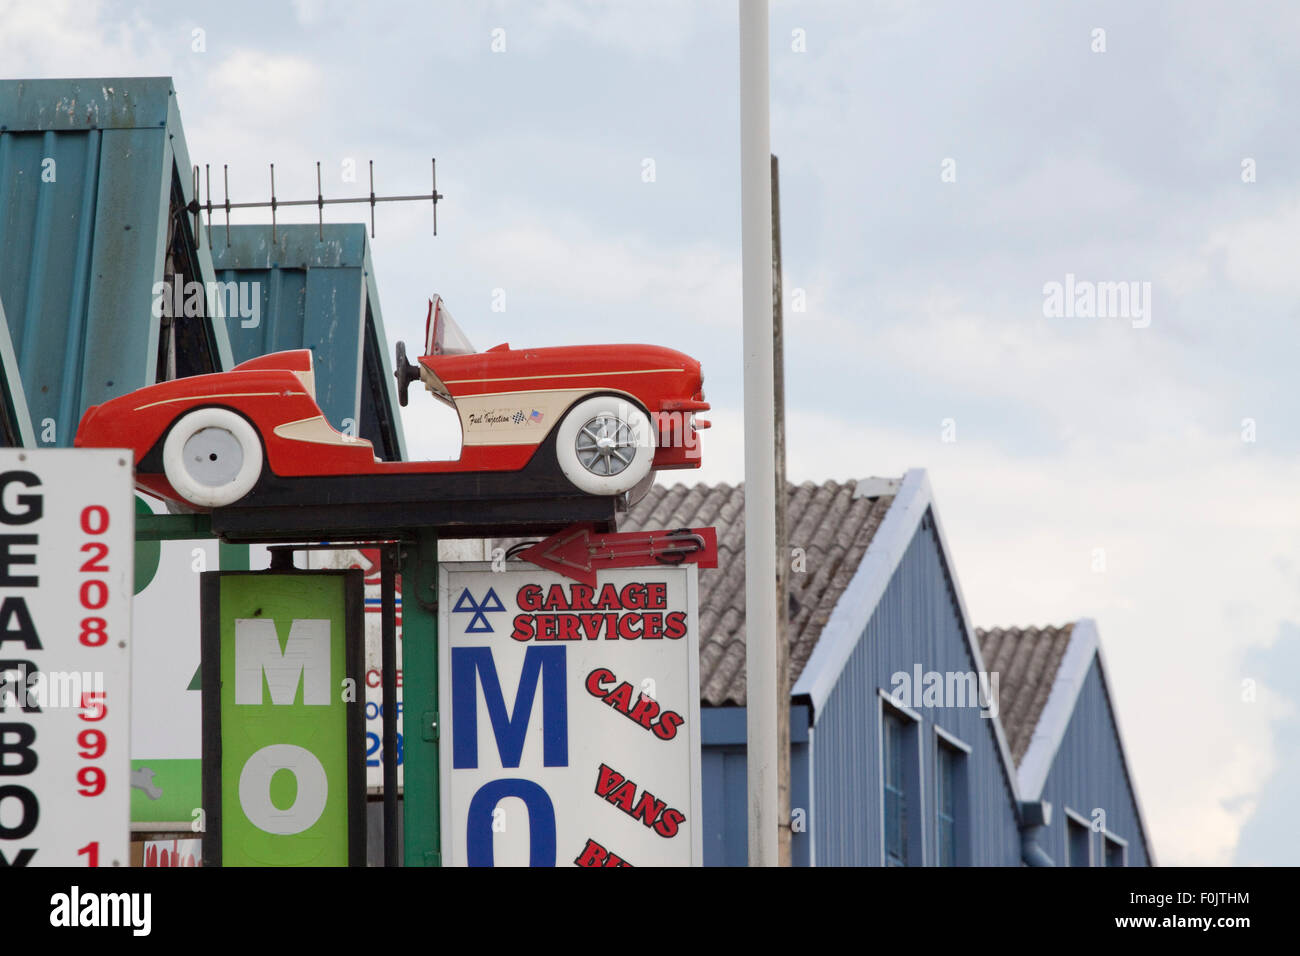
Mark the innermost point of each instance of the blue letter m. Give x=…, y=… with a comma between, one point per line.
x=546, y=665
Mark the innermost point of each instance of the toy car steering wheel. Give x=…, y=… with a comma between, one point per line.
x=405, y=373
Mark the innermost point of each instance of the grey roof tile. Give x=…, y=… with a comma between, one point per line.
x=1026, y=661
x=830, y=522
x=826, y=521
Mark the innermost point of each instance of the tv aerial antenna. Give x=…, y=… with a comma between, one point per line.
x=320, y=202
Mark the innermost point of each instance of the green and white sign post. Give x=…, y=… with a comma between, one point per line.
x=283, y=740
x=422, y=826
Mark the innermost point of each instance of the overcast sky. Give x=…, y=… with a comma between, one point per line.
x=941, y=164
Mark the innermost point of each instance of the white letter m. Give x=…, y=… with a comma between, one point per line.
x=306, y=656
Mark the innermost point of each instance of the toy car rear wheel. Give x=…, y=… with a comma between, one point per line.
x=604, y=445
x=212, y=457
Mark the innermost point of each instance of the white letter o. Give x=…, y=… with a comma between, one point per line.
x=255, y=789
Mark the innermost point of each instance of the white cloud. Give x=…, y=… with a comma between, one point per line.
x=620, y=25
x=699, y=282
x=69, y=38
x=1257, y=253
x=309, y=12
x=261, y=88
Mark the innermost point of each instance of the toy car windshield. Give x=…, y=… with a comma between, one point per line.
x=442, y=336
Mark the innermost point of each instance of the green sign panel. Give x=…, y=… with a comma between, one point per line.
x=283, y=757
x=166, y=792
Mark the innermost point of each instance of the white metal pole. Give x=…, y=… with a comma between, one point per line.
x=760, y=435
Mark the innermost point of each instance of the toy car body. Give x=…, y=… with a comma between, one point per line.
x=599, y=419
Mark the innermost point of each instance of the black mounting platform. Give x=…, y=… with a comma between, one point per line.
x=535, y=500
x=380, y=517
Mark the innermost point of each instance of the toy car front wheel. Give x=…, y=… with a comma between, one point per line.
x=212, y=457
x=604, y=445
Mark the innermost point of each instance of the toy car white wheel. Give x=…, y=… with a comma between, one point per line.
x=212, y=457
x=604, y=445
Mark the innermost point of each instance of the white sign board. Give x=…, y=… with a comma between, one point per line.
x=66, y=577
x=570, y=717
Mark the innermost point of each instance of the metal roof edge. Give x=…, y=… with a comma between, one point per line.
x=85, y=103
x=336, y=245
x=973, y=644
x=1050, y=729
x=15, y=397
x=844, y=628
x=1123, y=755
x=179, y=150
x=376, y=327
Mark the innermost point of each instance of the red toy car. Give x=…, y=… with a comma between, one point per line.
x=595, y=420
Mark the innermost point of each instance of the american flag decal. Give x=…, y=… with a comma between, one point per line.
x=536, y=417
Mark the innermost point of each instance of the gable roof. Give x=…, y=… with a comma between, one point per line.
x=1026, y=660
x=859, y=532
x=1037, y=698
x=913, y=502
x=833, y=523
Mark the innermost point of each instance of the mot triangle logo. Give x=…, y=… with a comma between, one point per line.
x=465, y=604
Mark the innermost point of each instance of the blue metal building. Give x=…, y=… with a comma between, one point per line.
x=911, y=742
x=1066, y=742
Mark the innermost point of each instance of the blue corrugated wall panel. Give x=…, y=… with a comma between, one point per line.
x=317, y=291
x=916, y=622
x=86, y=173
x=725, y=784
x=726, y=837
x=1088, y=775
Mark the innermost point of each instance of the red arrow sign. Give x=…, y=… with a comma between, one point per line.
x=578, y=552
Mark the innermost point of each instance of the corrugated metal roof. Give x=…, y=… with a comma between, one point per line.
x=94, y=178
x=830, y=523
x=1026, y=661
x=318, y=293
